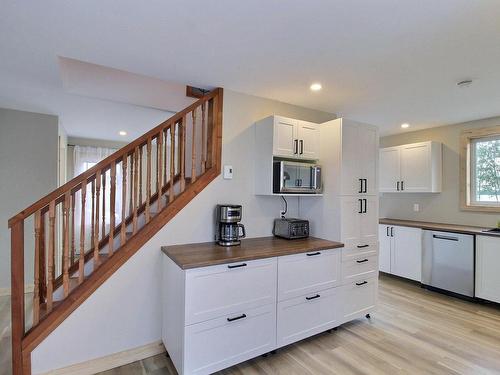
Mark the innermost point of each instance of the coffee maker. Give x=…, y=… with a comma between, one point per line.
x=228, y=231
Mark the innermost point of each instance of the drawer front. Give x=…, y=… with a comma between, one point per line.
x=306, y=273
x=307, y=315
x=212, y=292
x=359, y=297
x=359, y=250
x=359, y=267
x=219, y=343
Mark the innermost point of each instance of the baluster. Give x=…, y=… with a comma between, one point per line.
x=112, y=201
x=193, y=148
x=182, y=151
x=123, y=227
x=66, y=209
x=73, y=251
x=140, y=171
x=131, y=188
x=203, y=139
x=96, y=230
x=172, y=162
x=43, y=261
x=81, y=259
x=165, y=165
x=134, y=220
x=159, y=167
x=92, y=217
x=51, y=254
x=148, y=180
x=103, y=230
x=36, y=291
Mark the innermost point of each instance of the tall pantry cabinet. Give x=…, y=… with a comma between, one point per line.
x=348, y=209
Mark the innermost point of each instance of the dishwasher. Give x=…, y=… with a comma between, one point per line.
x=448, y=262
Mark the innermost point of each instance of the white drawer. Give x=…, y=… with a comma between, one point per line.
x=359, y=297
x=215, y=291
x=359, y=267
x=219, y=343
x=359, y=250
x=306, y=273
x=307, y=315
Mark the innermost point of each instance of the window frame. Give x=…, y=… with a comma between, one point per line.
x=467, y=138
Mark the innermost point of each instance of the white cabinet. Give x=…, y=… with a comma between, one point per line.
x=411, y=168
x=401, y=251
x=359, y=220
x=294, y=138
x=359, y=297
x=487, y=268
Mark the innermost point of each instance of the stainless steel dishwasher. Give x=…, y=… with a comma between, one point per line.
x=448, y=262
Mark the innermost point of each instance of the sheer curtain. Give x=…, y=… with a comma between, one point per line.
x=85, y=157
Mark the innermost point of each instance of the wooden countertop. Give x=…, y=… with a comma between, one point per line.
x=209, y=253
x=456, y=228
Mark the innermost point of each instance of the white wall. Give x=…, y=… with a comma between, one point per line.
x=125, y=312
x=28, y=163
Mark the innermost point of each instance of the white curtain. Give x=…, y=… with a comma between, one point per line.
x=85, y=157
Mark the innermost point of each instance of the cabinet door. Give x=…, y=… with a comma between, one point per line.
x=368, y=157
x=350, y=169
x=308, y=136
x=416, y=173
x=368, y=221
x=285, y=133
x=358, y=298
x=487, y=261
x=385, y=244
x=350, y=208
x=407, y=253
x=389, y=169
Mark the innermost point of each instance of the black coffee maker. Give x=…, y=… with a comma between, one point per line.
x=228, y=231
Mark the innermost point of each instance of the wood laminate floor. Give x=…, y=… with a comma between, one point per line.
x=414, y=331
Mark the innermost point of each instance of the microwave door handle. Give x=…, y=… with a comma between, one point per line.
x=282, y=176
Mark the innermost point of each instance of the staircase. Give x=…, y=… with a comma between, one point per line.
x=88, y=228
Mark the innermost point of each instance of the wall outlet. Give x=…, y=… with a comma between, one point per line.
x=416, y=207
x=228, y=172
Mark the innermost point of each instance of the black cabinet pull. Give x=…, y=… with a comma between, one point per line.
x=362, y=261
x=313, y=297
x=296, y=147
x=402, y=185
x=364, y=200
x=392, y=231
x=238, y=265
x=387, y=231
x=445, y=237
x=365, y=190
x=237, y=318
x=301, y=146
x=360, y=206
x=362, y=246
x=313, y=254
x=398, y=185
x=362, y=283
x=360, y=185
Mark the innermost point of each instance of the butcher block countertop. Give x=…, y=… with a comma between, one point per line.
x=210, y=254
x=455, y=228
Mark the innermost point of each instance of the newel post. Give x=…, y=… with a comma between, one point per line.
x=17, y=294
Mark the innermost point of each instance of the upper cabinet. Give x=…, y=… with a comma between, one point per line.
x=295, y=138
x=411, y=168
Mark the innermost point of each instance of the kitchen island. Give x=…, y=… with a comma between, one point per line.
x=225, y=305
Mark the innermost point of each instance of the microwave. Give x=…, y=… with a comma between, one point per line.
x=291, y=177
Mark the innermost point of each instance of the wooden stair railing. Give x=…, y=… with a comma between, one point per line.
x=86, y=229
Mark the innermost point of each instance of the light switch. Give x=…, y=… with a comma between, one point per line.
x=416, y=207
x=228, y=172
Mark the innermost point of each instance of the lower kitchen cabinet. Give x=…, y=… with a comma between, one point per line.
x=487, y=268
x=401, y=251
x=358, y=298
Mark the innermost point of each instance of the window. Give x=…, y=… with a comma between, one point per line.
x=480, y=168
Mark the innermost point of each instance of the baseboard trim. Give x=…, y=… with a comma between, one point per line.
x=111, y=361
x=6, y=291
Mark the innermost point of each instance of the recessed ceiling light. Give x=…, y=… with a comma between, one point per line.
x=405, y=125
x=122, y=133
x=316, y=87
x=464, y=83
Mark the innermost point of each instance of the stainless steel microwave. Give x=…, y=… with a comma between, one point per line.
x=296, y=177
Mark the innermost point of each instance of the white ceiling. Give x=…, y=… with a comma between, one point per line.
x=380, y=61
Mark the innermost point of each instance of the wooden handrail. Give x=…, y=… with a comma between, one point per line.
x=105, y=164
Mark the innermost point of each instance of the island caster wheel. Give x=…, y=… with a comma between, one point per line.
x=368, y=316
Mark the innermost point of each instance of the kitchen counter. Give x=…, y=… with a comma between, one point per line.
x=209, y=253
x=455, y=228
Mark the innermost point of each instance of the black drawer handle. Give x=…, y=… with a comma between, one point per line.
x=313, y=297
x=362, y=261
x=362, y=246
x=237, y=318
x=238, y=265
x=313, y=254
x=363, y=283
